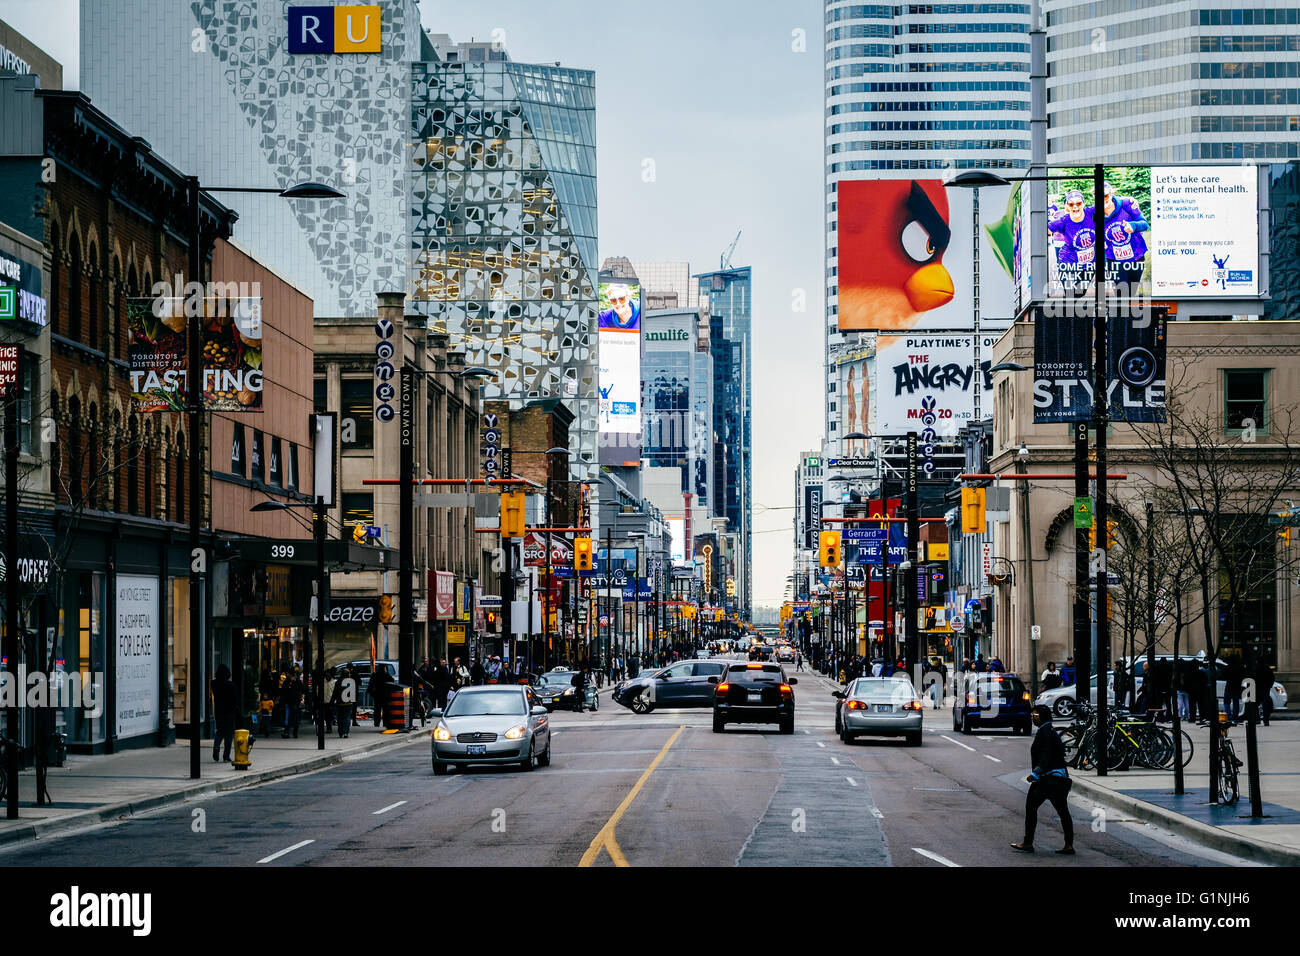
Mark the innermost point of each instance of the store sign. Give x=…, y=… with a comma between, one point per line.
x=455, y=633
x=443, y=586
x=492, y=445
x=325, y=29
x=20, y=291
x=136, y=655
x=363, y=611
x=812, y=515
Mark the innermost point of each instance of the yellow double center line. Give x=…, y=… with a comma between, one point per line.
x=605, y=838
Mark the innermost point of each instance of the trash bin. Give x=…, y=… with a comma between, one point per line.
x=397, y=715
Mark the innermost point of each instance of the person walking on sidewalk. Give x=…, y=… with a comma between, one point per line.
x=291, y=700
x=1048, y=781
x=223, y=709
x=344, y=687
x=1264, y=678
x=378, y=690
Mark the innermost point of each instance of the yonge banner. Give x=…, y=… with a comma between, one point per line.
x=232, y=354
x=1063, y=364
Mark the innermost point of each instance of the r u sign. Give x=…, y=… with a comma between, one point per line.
x=350, y=29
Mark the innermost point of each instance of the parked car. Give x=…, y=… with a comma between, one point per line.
x=992, y=699
x=684, y=684
x=498, y=724
x=361, y=669
x=753, y=693
x=879, y=707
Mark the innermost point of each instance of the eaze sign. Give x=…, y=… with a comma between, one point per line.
x=349, y=29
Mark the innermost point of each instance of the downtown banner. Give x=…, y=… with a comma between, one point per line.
x=232, y=354
x=1063, y=368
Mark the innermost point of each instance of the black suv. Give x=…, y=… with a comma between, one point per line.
x=992, y=699
x=753, y=694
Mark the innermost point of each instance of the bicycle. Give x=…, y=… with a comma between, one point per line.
x=1228, y=763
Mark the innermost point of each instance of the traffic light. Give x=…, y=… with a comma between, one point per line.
x=583, y=554
x=359, y=533
x=385, y=609
x=512, y=514
x=972, y=511
x=830, y=548
x=1110, y=535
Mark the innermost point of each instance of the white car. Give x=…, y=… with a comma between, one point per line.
x=1061, y=700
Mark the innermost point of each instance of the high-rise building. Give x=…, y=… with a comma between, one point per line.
x=503, y=223
x=1170, y=82
x=667, y=285
x=677, y=400
x=729, y=296
x=916, y=91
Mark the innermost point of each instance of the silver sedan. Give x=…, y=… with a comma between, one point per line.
x=880, y=707
x=491, y=725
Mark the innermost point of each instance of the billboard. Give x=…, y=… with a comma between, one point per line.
x=619, y=342
x=855, y=373
x=232, y=354
x=1063, y=368
x=1171, y=232
x=906, y=255
x=812, y=515
x=926, y=382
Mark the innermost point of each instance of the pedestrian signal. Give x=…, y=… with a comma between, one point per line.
x=972, y=511
x=830, y=549
x=582, y=554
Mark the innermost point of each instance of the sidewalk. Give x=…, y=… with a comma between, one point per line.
x=94, y=789
x=1149, y=795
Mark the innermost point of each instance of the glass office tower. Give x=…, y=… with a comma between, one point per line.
x=503, y=224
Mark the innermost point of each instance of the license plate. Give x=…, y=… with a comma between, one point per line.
x=476, y=750
x=884, y=708
x=755, y=698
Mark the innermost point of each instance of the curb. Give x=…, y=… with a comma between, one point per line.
x=129, y=808
x=1215, y=838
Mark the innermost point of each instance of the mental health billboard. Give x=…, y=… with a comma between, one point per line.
x=906, y=254
x=619, y=341
x=1170, y=232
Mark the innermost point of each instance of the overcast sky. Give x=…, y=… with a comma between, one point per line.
x=725, y=98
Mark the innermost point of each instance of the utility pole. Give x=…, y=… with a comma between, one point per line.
x=910, y=622
x=1027, y=547
x=1100, y=416
x=13, y=643
x=406, y=530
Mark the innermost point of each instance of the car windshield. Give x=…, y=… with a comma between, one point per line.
x=765, y=673
x=882, y=689
x=556, y=678
x=502, y=703
x=1003, y=688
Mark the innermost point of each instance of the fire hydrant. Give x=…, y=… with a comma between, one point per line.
x=243, y=744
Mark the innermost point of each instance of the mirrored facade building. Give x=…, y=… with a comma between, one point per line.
x=503, y=224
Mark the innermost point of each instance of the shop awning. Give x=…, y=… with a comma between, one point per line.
x=301, y=552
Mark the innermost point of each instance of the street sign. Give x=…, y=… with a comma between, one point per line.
x=1290, y=520
x=864, y=534
x=1035, y=632
x=374, y=531
x=957, y=623
x=8, y=368
x=1083, y=512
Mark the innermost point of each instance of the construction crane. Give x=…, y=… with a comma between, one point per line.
x=724, y=261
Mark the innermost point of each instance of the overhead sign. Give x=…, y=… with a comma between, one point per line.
x=1063, y=368
x=20, y=291
x=905, y=255
x=852, y=463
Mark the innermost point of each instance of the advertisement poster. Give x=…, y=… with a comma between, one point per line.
x=906, y=255
x=232, y=354
x=443, y=585
x=1063, y=369
x=855, y=373
x=535, y=551
x=136, y=657
x=812, y=515
x=926, y=382
x=619, y=341
x=1171, y=232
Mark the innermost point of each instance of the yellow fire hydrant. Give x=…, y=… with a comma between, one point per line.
x=243, y=744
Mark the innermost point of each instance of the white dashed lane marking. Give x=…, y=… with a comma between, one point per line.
x=391, y=806
x=958, y=743
x=852, y=782
x=994, y=759
x=288, y=849
x=936, y=857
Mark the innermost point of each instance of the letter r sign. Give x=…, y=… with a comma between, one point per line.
x=311, y=29
x=343, y=29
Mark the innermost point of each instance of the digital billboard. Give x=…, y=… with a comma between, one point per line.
x=905, y=252
x=1170, y=232
x=926, y=382
x=856, y=374
x=619, y=342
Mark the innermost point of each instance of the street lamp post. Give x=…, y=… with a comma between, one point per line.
x=1022, y=460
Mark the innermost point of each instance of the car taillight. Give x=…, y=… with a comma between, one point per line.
x=970, y=699
x=855, y=705
x=786, y=690
x=912, y=705
x=1024, y=696
x=723, y=688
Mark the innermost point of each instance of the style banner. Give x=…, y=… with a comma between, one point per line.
x=232, y=354
x=1063, y=368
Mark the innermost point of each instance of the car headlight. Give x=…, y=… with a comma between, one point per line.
x=514, y=733
x=568, y=692
x=442, y=732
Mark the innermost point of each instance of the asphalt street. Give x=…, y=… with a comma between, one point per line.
x=659, y=789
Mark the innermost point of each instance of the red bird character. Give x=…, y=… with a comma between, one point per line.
x=892, y=237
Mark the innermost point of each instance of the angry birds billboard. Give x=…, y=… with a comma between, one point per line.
x=905, y=256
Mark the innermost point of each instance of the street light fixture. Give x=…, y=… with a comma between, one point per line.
x=194, y=410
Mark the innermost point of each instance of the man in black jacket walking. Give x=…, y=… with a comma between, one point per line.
x=1048, y=781
x=224, y=711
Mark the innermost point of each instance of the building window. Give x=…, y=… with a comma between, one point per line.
x=358, y=508
x=238, y=452
x=358, y=425
x=257, y=458
x=275, y=475
x=291, y=467
x=30, y=375
x=182, y=462
x=320, y=395
x=133, y=466
x=1245, y=399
